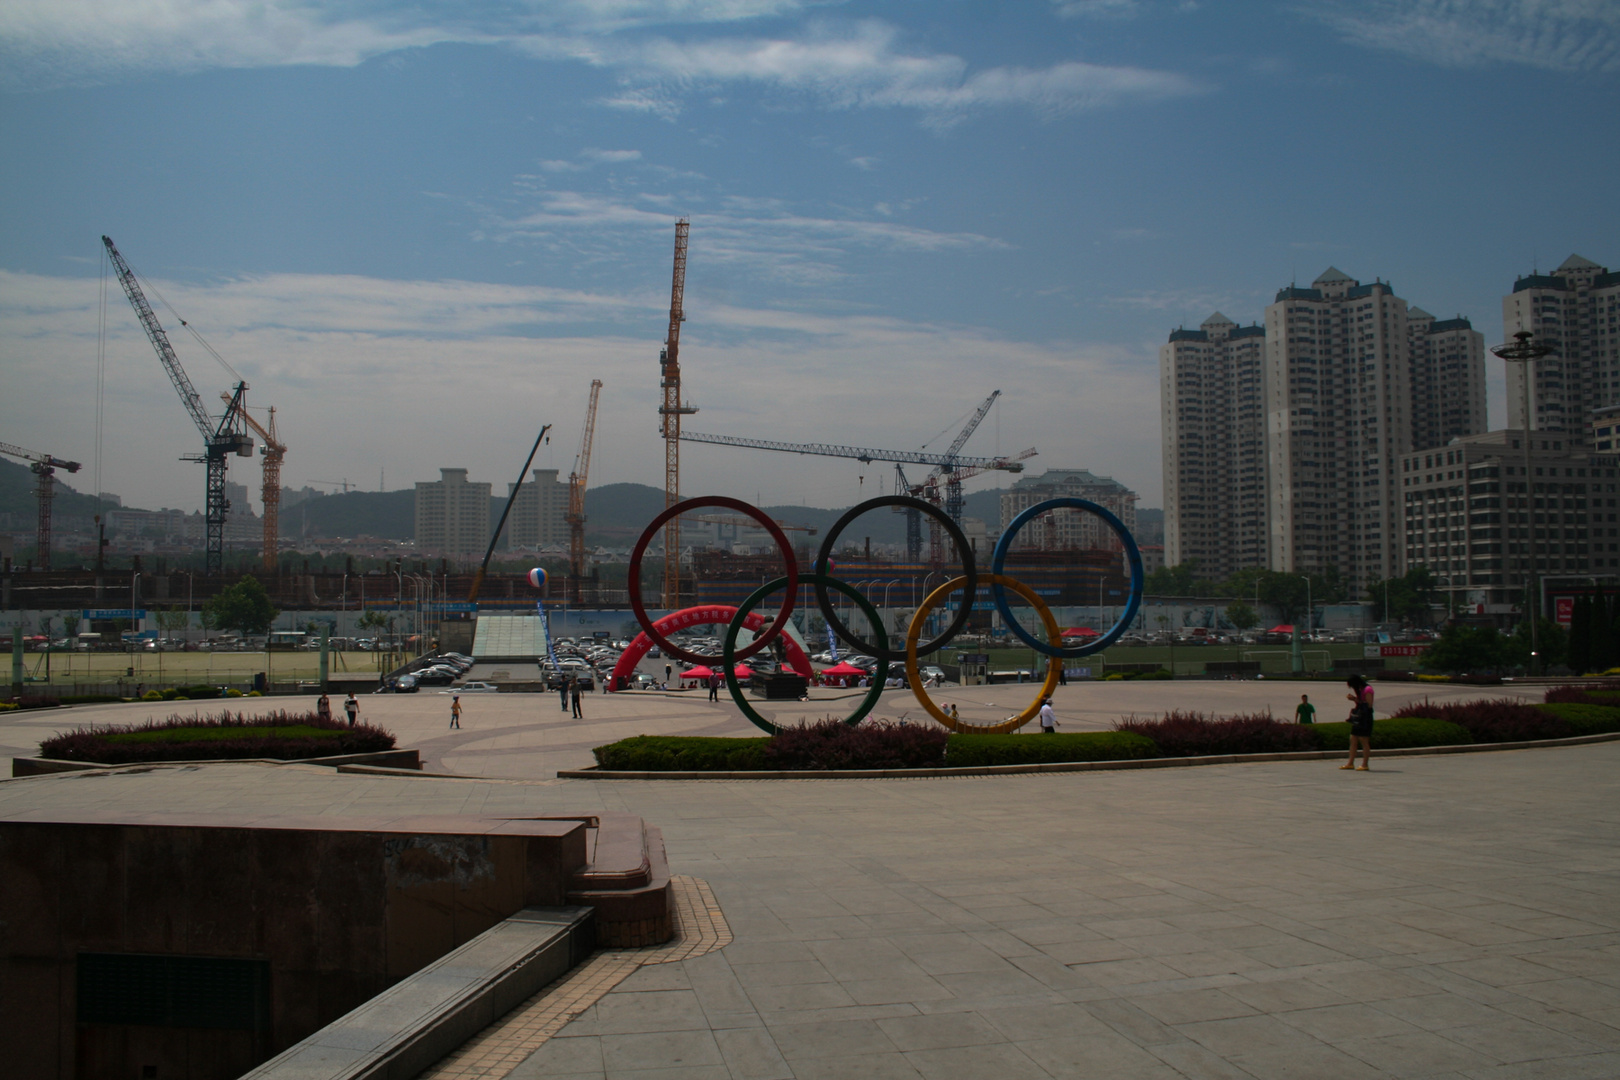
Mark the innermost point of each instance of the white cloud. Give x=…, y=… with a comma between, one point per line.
x=1562, y=35
x=763, y=235
x=589, y=158
x=54, y=42
x=1076, y=9
x=863, y=66
x=412, y=376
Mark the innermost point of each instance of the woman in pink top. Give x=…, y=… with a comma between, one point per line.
x=1361, y=721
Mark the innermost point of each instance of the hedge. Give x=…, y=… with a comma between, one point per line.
x=682, y=753
x=1194, y=734
x=1585, y=719
x=1395, y=734
x=1500, y=720
x=966, y=751
x=280, y=735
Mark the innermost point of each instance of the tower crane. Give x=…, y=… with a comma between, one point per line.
x=221, y=438
x=44, y=467
x=576, y=501
x=670, y=413
x=963, y=466
x=274, y=451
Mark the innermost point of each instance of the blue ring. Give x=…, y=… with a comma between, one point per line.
x=998, y=566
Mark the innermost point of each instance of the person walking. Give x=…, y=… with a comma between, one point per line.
x=1304, y=712
x=1361, y=721
x=573, y=697
x=455, y=711
x=562, y=693
x=352, y=707
x=1048, y=718
x=714, y=686
x=323, y=709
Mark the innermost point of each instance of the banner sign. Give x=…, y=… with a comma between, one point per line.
x=972, y=658
x=1375, y=652
x=114, y=613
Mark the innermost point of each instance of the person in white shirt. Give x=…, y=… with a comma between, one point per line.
x=1048, y=718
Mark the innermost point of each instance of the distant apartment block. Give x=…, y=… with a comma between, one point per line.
x=452, y=514
x=1212, y=399
x=1281, y=441
x=1577, y=309
x=539, y=515
x=1065, y=530
x=1465, y=514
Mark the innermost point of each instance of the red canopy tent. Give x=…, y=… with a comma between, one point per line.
x=699, y=672
x=842, y=673
x=1080, y=631
x=1279, y=629
x=743, y=671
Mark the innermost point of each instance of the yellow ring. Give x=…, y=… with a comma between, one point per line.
x=914, y=632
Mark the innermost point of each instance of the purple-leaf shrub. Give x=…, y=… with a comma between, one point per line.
x=1195, y=734
x=1499, y=720
x=873, y=744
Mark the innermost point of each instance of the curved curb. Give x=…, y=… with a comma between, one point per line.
x=1074, y=766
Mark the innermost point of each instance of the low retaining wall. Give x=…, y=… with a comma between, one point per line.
x=387, y=759
x=1073, y=766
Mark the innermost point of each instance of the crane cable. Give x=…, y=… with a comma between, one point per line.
x=189, y=328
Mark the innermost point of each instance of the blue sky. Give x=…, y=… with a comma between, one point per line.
x=419, y=231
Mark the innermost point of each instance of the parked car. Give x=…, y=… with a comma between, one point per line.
x=473, y=688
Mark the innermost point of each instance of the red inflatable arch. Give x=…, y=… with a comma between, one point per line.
x=705, y=614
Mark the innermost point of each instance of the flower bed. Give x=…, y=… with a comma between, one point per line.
x=280, y=735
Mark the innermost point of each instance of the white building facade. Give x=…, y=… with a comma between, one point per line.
x=452, y=515
x=1576, y=309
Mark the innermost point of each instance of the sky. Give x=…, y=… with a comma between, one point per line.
x=419, y=231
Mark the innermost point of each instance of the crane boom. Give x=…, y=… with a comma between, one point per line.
x=226, y=437
x=859, y=453
x=44, y=467
x=972, y=425
x=670, y=413
x=160, y=341
x=576, y=500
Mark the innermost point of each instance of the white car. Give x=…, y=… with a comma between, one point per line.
x=473, y=688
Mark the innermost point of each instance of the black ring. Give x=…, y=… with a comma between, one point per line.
x=969, y=571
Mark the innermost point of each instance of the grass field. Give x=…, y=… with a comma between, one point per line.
x=68, y=669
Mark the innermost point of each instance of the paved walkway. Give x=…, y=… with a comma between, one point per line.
x=1454, y=916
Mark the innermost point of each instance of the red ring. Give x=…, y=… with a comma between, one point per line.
x=790, y=594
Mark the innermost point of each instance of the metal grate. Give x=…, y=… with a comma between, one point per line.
x=173, y=991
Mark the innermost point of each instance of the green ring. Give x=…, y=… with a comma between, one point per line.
x=728, y=649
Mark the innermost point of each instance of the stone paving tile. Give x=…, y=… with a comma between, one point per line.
x=976, y=1063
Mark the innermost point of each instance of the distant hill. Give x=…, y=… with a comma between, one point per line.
x=17, y=491
x=390, y=515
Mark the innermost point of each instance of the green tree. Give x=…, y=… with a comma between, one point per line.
x=1241, y=615
x=1462, y=647
x=1285, y=592
x=171, y=619
x=1410, y=596
x=1554, y=644
x=244, y=606
x=1182, y=579
x=70, y=625
x=375, y=620
x=1578, y=653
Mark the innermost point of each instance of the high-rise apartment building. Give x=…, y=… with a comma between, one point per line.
x=452, y=515
x=1576, y=309
x=1065, y=530
x=1213, y=424
x=539, y=515
x=1347, y=378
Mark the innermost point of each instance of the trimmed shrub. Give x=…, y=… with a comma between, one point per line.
x=1585, y=719
x=1401, y=734
x=881, y=744
x=36, y=701
x=1500, y=720
x=967, y=751
x=1194, y=734
x=233, y=692
x=153, y=695
x=6, y=706
x=1605, y=694
x=281, y=735
x=682, y=753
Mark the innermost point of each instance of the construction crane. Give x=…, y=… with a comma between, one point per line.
x=274, y=451
x=44, y=467
x=963, y=466
x=221, y=438
x=670, y=413
x=576, y=501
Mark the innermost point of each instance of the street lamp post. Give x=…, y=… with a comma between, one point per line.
x=1526, y=351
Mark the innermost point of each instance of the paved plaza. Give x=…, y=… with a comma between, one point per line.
x=1450, y=916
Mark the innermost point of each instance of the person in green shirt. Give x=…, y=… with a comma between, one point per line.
x=1305, y=712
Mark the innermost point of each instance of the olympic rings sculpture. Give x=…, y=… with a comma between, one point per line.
x=824, y=583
